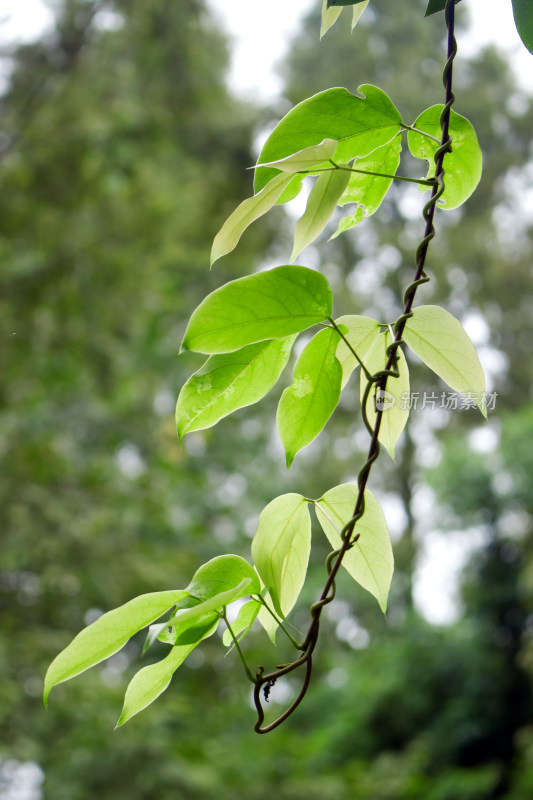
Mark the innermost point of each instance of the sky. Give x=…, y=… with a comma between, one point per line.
x=259, y=42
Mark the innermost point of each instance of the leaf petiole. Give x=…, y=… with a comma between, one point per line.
x=279, y=622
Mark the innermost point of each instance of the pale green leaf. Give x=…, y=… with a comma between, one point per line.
x=307, y=404
x=361, y=333
x=357, y=11
x=107, y=635
x=369, y=191
x=359, y=124
x=523, y=17
x=230, y=381
x=267, y=621
x=268, y=305
x=329, y=17
x=247, y=212
x=370, y=561
x=307, y=159
x=321, y=204
x=393, y=400
x=151, y=681
x=243, y=622
x=180, y=630
x=280, y=549
x=221, y=574
x=439, y=339
x=462, y=166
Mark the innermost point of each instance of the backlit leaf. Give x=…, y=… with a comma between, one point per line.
x=393, y=399
x=329, y=17
x=222, y=574
x=280, y=549
x=357, y=11
x=107, y=635
x=462, y=166
x=243, y=622
x=370, y=561
x=369, y=191
x=230, y=381
x=359, y=124
x=361, y=333
x=247, y=212
x=310, y=400
x=268, y=305
x=151, y=681
x=306, y=159
x=321, y=204
x=439, y=339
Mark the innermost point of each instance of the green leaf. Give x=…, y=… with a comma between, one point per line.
x=267, y=621
x=222, y=574
x=523, y=17
x=280, y=549
x=392, y=400
x=151, y=681
x=247, y=212
x=344, y=2
x=370, y=562
x=182, y=630
x=361, y=333
x=359, y=124
x=462, y=166
x=369, y=191
x=243, y=622
x=230, y=381
x=321, y=204
x=439, y=339
x=268, y=305
x=357, y=11
x=329, y=17
x=307, y=159
x=310, y=400
x=434, y=6
x=108, y=635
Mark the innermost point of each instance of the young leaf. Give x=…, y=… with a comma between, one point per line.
x=369, y=191
x=306, y=159
x=222, y=574
x=523, y=17
x=321, y=204
x=359, y=124
x=182, y=630
x=247, y=212
x=230, y=381
x=243, y=622
x=442, y=343
x=108, y=635
x=310, y=400
x=395, y=412
x=280, y=549
x=329, y=17
x=462, y=166
x=357, y=11
x=268, y=305
x=361, y=333
x=151, y=681
x=370, y=562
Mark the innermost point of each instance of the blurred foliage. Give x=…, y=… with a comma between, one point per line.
x=122, y=154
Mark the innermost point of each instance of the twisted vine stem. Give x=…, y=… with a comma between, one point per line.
x=264, y=681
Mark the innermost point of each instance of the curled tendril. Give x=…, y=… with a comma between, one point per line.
x=377, y=382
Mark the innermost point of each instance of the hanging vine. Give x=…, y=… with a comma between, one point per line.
x=350, y=144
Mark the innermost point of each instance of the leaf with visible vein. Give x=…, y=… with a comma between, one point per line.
x=439, y=339
x=243, y=622
x=281, y=547
x=107, y=635
x=151, y=681
x=361, y=333
x=369, y=191
x=359, y=124
x=230, y=381
x=321, y=204
x=307, y=159
x=247, y=212
x=268, y=305
x=462, y=167
x=310, y=400
x=370, y=561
